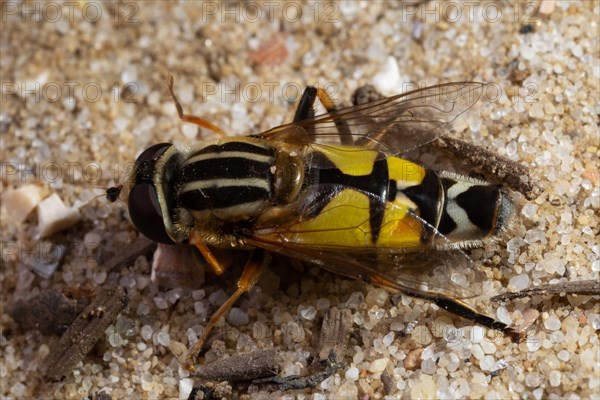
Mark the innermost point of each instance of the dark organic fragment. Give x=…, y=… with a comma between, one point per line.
x=83, y=334
x=515, y=175
x=242, y=367
x=527, y=28
x=50, y=312
x=365, y=94
x=334, y=334
x=388, y=383
x=102, y=396
x=590, y=287
x=299, y=382
x=210, y=391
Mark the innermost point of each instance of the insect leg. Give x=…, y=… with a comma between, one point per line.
x=252, y=272
x=449, y=304
x=197, y=240
x=305, y=110
x=191, y=118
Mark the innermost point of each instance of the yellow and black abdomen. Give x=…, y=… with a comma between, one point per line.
x=360, y=198
x=463, y=210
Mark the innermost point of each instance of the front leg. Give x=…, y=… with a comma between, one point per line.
x=191, y=118
x=197, y=240
x=252, y=272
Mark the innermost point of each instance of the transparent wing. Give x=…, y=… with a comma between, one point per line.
x=395, y=124
x=415, y=269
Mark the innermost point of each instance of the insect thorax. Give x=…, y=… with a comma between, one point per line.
x=234, y=181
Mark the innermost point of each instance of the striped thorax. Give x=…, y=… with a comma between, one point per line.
x=210, y=187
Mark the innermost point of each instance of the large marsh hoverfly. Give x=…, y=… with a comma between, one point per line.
x=337, y=190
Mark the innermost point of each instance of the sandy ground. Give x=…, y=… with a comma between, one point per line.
x=83, y=94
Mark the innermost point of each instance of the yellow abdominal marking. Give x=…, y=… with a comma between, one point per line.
x=404, y=172
x=350, y=161
x=344, y=222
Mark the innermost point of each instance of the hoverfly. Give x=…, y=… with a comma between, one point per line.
x=335, y=190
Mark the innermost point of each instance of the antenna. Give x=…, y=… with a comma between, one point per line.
x=112, y=193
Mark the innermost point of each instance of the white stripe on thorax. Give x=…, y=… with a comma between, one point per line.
x=220, y=183
x=227, y=212
x=229, y=154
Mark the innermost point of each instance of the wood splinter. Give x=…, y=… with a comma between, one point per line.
x=84, y=332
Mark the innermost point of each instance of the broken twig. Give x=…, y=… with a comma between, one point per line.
x=334, y=334
x=242, y=367
x=591, y=287
x=298, y=382
x=83, y=334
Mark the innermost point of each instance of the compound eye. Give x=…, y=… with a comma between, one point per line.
x=145, y=213
x=153, y=152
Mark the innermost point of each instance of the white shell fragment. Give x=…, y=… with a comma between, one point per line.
x=54, y=216
x=20, y=202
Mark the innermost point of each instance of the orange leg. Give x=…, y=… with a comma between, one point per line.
x=326, y=100
x=197, y=240
x=305, y=109
x=191, y=118
x=252, y=272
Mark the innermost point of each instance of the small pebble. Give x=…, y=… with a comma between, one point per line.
x=518, y=283
x=532, y=379
x=355, y=300
x=555, y=378
x=529, y=210
x=428, y=366
x=185, y=387
x=377, y=297
x=160, y=303
x=552, y=323
x=487, y=363
x=388, y=339
x=533, y=345
x=308, y=313
x=323, y=304
x=237, y=317
x=163, y=338
x=352, y=374
x=146, y=332
x=413, y=359
x=422, y=335
x=328, y=383
x=379, y=365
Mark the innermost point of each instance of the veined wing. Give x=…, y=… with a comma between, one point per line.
x=395, y=124
x=347, y=247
